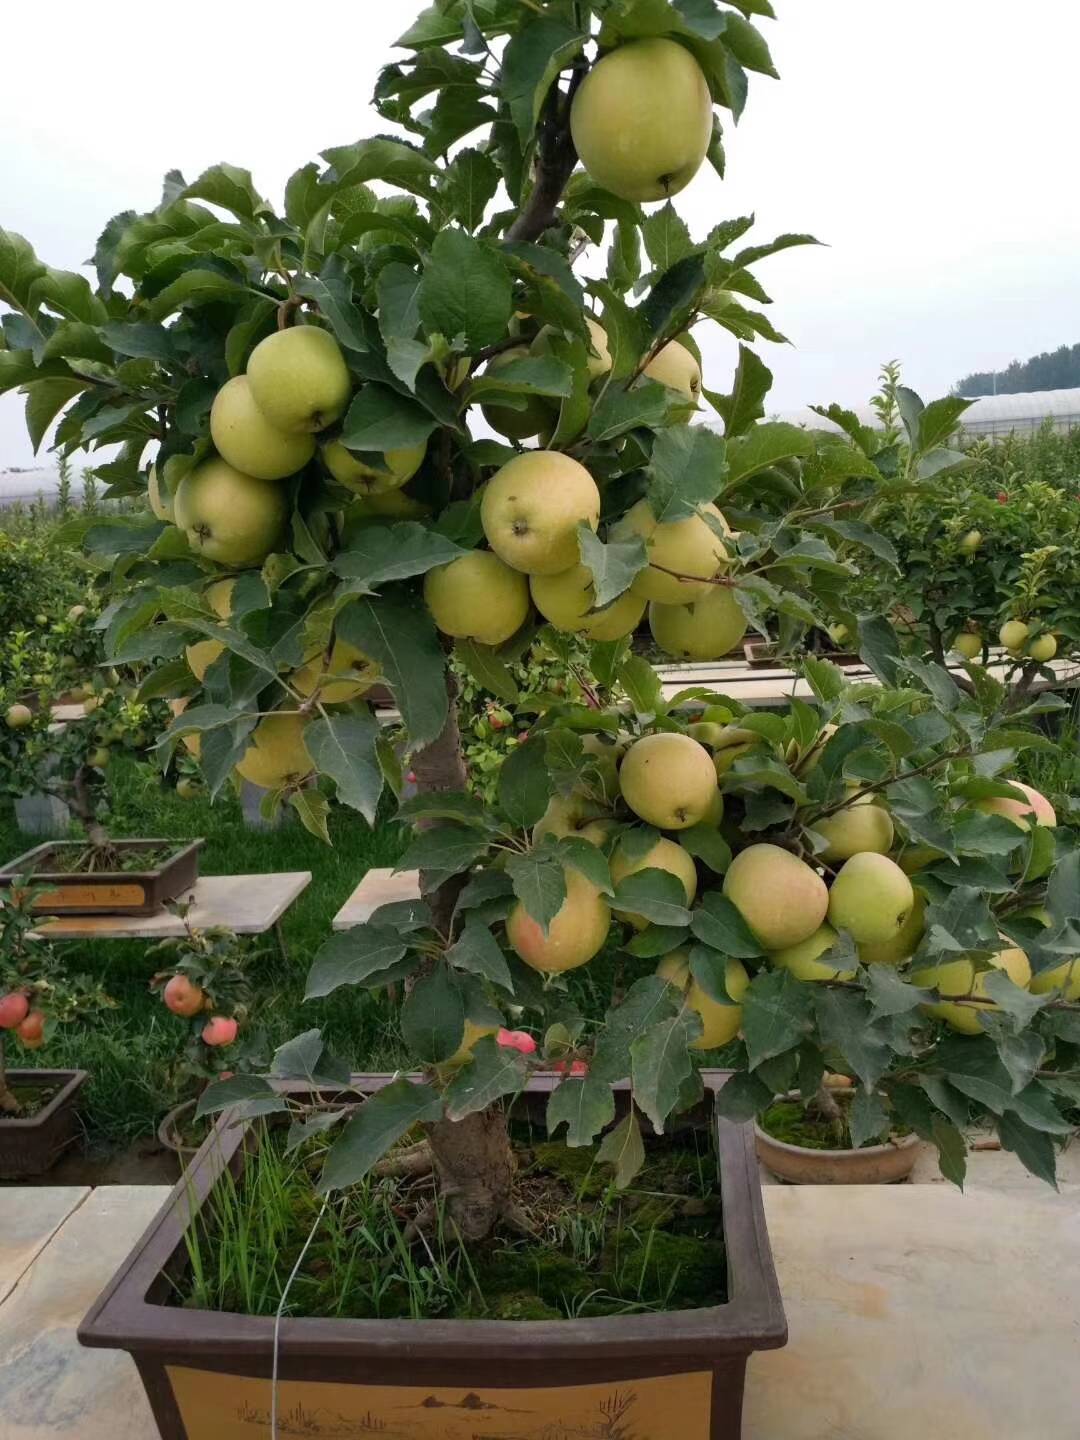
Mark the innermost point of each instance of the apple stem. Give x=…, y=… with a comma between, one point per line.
x=287, y=309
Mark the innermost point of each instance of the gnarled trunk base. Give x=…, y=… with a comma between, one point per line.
x=476, y=1168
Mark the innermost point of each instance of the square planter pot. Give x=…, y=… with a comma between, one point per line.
x=32, y=1146
x=673, y=1376
x=118, y=892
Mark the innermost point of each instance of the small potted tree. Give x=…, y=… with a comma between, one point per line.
x=37, y=1106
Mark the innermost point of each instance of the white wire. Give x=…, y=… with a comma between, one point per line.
x=277, y=1319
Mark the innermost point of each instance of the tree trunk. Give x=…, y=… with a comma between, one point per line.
x=472, y=1157
x=84, y=810
x=8, y=1104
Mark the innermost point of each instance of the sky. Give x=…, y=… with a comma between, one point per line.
x=925, y=143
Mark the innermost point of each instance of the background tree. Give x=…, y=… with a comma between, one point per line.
x=1052, y=370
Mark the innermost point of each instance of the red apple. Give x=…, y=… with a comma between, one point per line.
x=32, y=1030
x=219, y=1031
x=13, y=1010
x=182, y=997
x=517, y=1040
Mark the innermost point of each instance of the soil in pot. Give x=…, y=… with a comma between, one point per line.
x=657, y=1246
x=796, y=1124
x=32, y=1099
x=91, y=860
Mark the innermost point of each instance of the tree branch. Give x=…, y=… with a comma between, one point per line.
x=556, y=157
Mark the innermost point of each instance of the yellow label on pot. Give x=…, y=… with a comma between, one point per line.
x=236, y=1407
x=101, y=897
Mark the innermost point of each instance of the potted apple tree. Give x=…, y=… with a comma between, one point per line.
x=37, y=1106
x=306, y=366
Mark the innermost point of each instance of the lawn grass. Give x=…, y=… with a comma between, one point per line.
x=131, y=1051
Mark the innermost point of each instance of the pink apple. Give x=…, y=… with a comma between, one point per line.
x=517, y=1040
x=219, y=1031
x=14, y=1009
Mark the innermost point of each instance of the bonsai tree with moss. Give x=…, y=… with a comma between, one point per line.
x=308, y=395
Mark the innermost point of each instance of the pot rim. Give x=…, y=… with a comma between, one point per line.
x=752, y=1318
x=75, y=1080
x=889, y=1148
x=18, y=866
x=164, y=1135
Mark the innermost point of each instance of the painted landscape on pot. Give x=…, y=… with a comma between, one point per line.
x=231, y=1407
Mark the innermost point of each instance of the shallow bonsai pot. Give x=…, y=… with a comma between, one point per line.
x=873, y=1165
x=104, y=892
x=675, y=1376
x=32, y=1146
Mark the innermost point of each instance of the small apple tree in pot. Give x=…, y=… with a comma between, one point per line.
x=305, y=388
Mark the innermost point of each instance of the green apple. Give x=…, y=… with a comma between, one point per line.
x=228, y=516
x=246, y=439
x=689, y=548
x=675, y=367
x=352, y=472
x=969, y=543
x=903, y=944
x=871, y=898
x=477, y=597
x=18, y=717
x=574, y=816
x=203, y=653
x=959, y=980
x=573, y=937
x=1043, y=648
x=599, y=356
x=703, y=630
x=277, y=756
x=531, y=508
x=664, y=855
x=188, y=788
x=859, y=827
x=1013, y=634
x=968, y=644
x=536, y=414
x=346, y=675
x=299, y=379
x=159, y=495
x=668, y=780
x=720, y=1022
x=779, y=896
x=642, y=120
x=804, y=960
x=565, y=601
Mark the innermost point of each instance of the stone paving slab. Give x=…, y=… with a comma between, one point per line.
x=29, y=1218
x=920, y=1313
x=49, y=1385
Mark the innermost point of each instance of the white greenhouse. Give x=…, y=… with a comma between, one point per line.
x=990, y=417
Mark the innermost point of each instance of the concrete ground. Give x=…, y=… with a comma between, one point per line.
x=916, y=1312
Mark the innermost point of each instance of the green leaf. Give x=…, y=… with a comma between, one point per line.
x=656, y=940
x=661, y=1064
x=195, y=287
x=617, y=411
x=672, y=300
x=525, y=787
x=495, y=1070
x=952, y=1151
x=1063, y=889
x=531, y=62
x=382, y=158
x=613, y=566
x=687, y=469
x=477, y=951
x=642, y=685
x=44, y=400
x=706, y=843
x=489, y=672
x=585, y=1106
x=867, y=1117
x=776, y=1014
x=529, y=375
x=378, y=1125
x=657, y=895
x=1032, y=1147
x=19, y=269
x=402, y=637
x=455, y=805
x=380, y=419
x=332, y=292
x=231, y=188
x=468, y=186
x=587, y=859
x=753, y=381
x=624, y=1149
x=938, y=420
x=1020, y=1004
x=351, y=957
x=466, y=293
x=880, y=648
x=539, y=882
x=246, y=1091
x=648, y=1001
x=69, y=294
x=433, y=1017
x=742, y=1097
x=763, y=446
x=718, y=924
x=844, y=1021
x=379, y=554
x=343, y=747
x=666, y=237
x=443, y=850
x=709, y=969
x=313, y=808
x=889, y=995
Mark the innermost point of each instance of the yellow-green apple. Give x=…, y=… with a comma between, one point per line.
x=566, y=600
x=960, y=980
x=531, y=508
x=1042, y=648
x=903, y=944
x=537, y=412
x=599, y=358
x=577, y=932
x=805, y=962
x=871, y=898
x=779, y=896
x=1035, y=806
x=721, y=1023
x=664, y=855
x=366, y=480
x=968, y=644
x=477, y=597
x=969, y=543
x=675, y=367
x=688, y=547
x=1013, y=635
x=346, y=675
x=247, y=440
x=299, y=379
x=703, y=630
x=642, y=120
x=574, y=815
x=159, y=495
x=18, y=717
x=203, y=653
x=860, y=826
x=668, y=780
x=277, y=755
x=228, y=516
